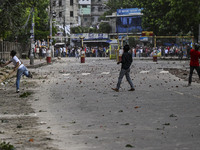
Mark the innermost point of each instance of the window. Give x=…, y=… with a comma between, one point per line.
x=60, y=14
x=84, y=6
x=60, y=2
x=93, y=8
x=71, y=2
x=54, y=3
x=92, y=19
x=85, y=19
x=99, y=8
x=71, y=14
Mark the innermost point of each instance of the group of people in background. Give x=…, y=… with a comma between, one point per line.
x=126, y=62
x=76, y=51
x=165, y=51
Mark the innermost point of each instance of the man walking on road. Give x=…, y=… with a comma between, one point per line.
x=194, y=62
x=125, y=69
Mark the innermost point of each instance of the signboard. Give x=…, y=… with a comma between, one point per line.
x=90, y=36
x=129, y=24
x=129, y=20
x=128, y=11
x=144, y=39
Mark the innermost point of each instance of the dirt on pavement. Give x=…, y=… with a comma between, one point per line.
x=19, y=123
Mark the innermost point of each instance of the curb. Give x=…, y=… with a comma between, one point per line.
x=41, y=64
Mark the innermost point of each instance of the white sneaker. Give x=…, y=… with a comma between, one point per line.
x=17, y=91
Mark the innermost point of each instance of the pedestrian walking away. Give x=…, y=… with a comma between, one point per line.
x=18, y=65
x=194, y=62
x=126, y=62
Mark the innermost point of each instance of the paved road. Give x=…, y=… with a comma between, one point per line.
x=79, y=110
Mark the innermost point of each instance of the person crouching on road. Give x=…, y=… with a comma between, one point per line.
x=125, y=69
x=21, y=69
x=194, y=62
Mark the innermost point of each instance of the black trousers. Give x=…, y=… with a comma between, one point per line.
x=191, y=72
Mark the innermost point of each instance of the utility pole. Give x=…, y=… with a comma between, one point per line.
x=64, y=32
x=50, y=36
x=32, y=39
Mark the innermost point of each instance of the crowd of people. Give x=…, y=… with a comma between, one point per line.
x=41, y=49
x=164, y=51
x=76, y=51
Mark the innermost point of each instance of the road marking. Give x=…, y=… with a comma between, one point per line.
x=178, y=93
x=196, y=96
x=66, y=74
x=85, y=74
x=144, y=71
x=105, y=73
x=20, y=115
x=164, y=72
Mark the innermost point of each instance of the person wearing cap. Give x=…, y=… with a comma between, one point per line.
x=126, y=62
x=18, y=65
x=194, y=62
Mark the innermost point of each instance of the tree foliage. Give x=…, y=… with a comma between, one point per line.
x=167, y=17
x=11, y=17
x=104, y=27
x=164, y=17
x=16, y=19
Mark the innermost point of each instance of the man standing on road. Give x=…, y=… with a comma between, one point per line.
x=125, y=69
x=194, y=62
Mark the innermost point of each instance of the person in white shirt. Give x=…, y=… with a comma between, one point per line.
x=18, y=65
x=61, y=52
x=64, y=52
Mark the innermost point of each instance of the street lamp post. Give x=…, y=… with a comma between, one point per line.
x=50, y=36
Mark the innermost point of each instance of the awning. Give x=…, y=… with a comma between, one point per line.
x=108, y=41
x=58, y=44
x=112, y=41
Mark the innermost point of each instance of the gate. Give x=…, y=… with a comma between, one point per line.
x=6, y=47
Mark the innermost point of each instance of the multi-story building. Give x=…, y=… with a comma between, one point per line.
x=65, y=13
x=77, y=12
x=90, y=11
x=98, y=8
x=84, y=12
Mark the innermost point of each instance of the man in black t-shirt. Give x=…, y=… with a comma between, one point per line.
x=125, y=69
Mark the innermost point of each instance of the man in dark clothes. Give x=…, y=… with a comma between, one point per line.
x=125, y=69
x=194, y=62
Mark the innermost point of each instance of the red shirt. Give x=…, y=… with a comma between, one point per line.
x=195, y=55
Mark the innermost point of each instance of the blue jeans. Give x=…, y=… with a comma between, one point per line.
x=121, y=75
x=20, y=72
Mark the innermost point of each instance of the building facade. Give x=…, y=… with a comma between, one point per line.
x=65, y=14
x=77, y=12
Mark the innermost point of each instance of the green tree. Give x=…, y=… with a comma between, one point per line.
x=163, y=17
x=170, y=17
x=15, y=19
x=113, y=5
x=104, y=27
x=80, y=29
x=11, y=17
